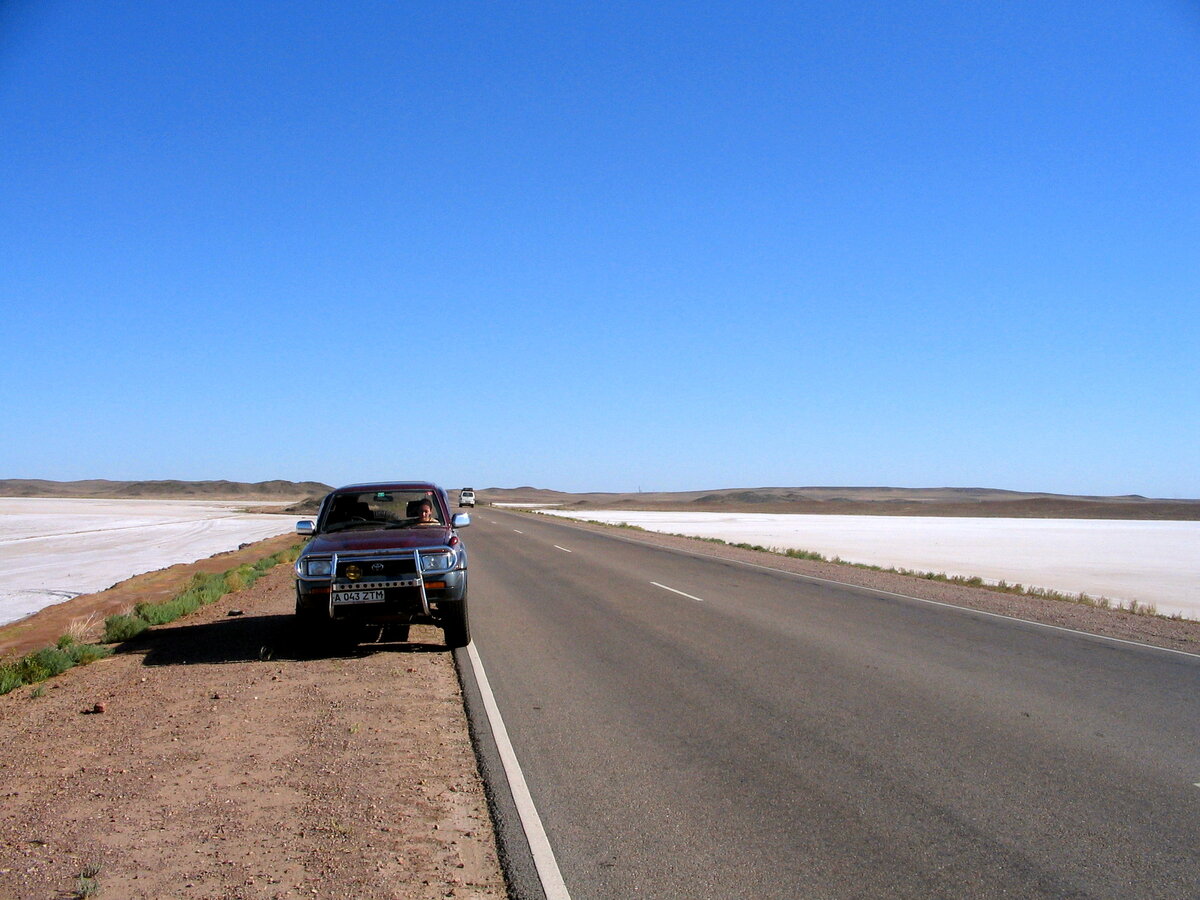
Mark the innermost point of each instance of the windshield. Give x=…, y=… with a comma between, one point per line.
x=382, y=509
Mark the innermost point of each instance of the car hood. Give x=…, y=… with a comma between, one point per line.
x=380, y=539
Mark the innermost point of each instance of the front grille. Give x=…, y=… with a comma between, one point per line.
x=375, y=568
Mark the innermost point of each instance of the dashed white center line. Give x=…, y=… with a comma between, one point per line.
x=563, y=549
x=680, y=593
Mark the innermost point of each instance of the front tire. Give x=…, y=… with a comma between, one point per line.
x=308, y=626
x=455, y=624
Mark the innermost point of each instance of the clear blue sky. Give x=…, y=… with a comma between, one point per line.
x=603, y=246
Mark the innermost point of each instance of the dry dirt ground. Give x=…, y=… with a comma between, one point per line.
x=227, y=762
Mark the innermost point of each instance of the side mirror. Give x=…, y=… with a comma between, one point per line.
x=305, y=526
x=460, y=520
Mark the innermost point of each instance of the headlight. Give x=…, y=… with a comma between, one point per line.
x=317, y=567
x=437, y=562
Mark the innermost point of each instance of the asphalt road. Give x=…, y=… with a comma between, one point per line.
x=695, y=728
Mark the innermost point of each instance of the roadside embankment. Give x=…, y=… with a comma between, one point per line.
x=85, y=614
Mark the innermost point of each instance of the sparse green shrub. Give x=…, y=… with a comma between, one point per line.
x=191, y=599
x=159, y=613
x=83, y=654
x=206, y=586
x=162, y=613
x=9, y=679
x=88, y=884
x=588, y=521
x=804, y=554
x=203, y=581
x=122, y=627
x=758, y=547
x=48, y=662
x=43, y=664
x=240, y=578
x=209, y=588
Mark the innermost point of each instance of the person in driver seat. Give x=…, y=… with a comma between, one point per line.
x=422, y=510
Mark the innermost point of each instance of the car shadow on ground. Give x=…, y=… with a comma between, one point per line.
x=254, y=639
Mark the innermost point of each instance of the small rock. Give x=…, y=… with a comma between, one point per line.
x=99, y=708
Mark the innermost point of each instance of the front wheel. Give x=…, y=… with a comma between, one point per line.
x=308, y=627
x=455, y=625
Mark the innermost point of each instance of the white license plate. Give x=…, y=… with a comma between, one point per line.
x=358, y=596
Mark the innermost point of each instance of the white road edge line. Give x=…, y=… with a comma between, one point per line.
x=539, y=845
x=563, y=549
x=680, y=593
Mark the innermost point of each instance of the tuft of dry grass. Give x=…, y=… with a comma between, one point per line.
x=88, y=884
x=84, y=627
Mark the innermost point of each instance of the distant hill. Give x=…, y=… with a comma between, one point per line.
x=867, y=501
x=163, y=490
x=879, y=501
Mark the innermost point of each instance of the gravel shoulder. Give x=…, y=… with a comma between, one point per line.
x=211, y=758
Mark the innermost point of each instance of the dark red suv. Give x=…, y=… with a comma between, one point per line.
x=383, y=556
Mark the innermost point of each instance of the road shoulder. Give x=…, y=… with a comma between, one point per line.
x=225, y=764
